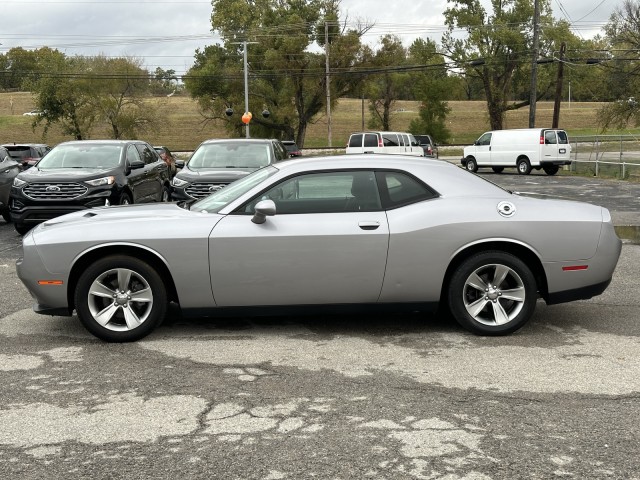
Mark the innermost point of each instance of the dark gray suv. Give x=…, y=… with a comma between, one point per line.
x=9, y=169
x=27, y=154
x=217, y=163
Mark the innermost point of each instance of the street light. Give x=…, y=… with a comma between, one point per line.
x=246, y=84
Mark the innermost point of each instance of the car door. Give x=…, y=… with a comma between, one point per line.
x=550, y=147
x=9, y=169
x=135, y=173
x=483, y=149
x=326, y=244
x=154, y=168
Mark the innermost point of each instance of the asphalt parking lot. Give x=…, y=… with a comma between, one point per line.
x=335, y=397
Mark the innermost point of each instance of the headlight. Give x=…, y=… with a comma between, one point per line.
x=178, y=182
x=101, y=181
x=18, y=183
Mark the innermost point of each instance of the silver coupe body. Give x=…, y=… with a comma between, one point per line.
x=377, y=231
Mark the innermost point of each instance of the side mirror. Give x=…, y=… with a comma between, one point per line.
x=179, y=163
x=263, y=209
x=136, y=164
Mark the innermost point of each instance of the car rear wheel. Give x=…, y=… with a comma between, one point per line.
x=166, y=194
x=551, y=169
x=524, y=167
x=125, y=199
x=120, y=298
x=492, y=293
x=471, y=165
x=6, y=216
x=497, y=169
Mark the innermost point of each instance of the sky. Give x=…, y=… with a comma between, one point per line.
x=166, y=33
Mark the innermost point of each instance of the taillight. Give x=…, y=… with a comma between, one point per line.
x=541, y=140
x=380, y=144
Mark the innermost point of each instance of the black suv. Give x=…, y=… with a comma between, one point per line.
x=88, y=173
x=9, y=168
x=217, y=163
x=27, y=154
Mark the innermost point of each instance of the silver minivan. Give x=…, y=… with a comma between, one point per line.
x=394, y=143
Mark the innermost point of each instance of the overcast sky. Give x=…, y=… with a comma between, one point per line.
x=166, y=33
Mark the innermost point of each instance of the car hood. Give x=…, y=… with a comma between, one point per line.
x=35, y=174
x=214, y=174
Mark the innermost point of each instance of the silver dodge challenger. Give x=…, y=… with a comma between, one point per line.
x=365, y=231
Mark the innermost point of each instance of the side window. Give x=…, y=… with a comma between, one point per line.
x=390, y=140
x=414, y=141
x=355, y=140
x=132, y=154
x=326, y=192
x=371, y=140
x=485, y=139
x=398, y=189
x=562, y=137
x=146, y=154
x=550, y=137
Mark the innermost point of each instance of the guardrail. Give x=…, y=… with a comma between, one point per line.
x=612, y=155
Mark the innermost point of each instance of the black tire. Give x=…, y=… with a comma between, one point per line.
x=484, y=310
x=523, y=166
x=471, y=165
x=22, y=228
x=551, y=169
x=125, y=199
x=497, y=169
x=166, y=194
x=124, y=319
x=6, y=215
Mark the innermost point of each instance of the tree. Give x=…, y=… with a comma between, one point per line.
x=431, y=87
x=385, y=89
x=623, y=32
x=78, y=92
x=286, y=78
x=497, y=47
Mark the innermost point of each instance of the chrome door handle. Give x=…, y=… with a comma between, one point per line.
x=369, y=225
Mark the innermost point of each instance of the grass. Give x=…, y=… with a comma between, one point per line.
x=183, y=128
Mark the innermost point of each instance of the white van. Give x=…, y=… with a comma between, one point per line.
x=395, y=143
x=524, y=149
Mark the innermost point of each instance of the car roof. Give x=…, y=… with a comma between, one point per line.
x=103, y=142
x=7, y=145
x=236, y=140
x=370, y=161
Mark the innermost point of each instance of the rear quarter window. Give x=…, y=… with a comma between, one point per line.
x=398, y=189
x=355, y=140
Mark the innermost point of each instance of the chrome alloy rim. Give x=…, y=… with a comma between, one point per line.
x=120, y=299
x=494, y=294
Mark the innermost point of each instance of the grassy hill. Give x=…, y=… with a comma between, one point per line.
x=184, y=128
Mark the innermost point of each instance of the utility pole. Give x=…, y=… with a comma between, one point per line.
x=246, y=86
x=533, y=94
x=327, y=79
x=556, y=104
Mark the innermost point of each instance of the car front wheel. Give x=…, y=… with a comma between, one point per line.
x=120, y=298
x=492, y=293
x=471, y=165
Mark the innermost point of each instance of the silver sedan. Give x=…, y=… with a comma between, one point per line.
x=370, y=231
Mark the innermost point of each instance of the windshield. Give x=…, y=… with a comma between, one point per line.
x=230, y=155
x=220, y=198
x=82, y=156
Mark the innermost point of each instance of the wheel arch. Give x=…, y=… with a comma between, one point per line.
x=523, y=252
x=135, y=251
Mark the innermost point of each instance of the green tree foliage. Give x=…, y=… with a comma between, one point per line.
x=386, y=88
x=623, y=32
x=81, y=91
x=286, y=78
x=19, y=67
x=431, y=87
x=497, y=47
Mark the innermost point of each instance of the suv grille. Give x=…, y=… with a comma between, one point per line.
x=199, y=190
x=54, y=191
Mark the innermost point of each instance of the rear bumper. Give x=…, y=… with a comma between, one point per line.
x=583, y=293
x=544, y=163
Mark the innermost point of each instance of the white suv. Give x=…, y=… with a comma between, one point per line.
x=395, y=143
